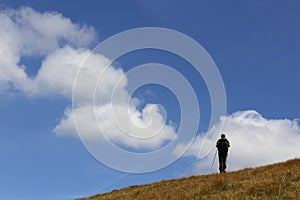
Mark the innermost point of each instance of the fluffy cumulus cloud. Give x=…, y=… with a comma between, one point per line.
x=28, y=33
x=144, y=129
x=254, y=140
x=63, y=46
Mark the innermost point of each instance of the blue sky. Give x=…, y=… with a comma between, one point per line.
x=255, y=45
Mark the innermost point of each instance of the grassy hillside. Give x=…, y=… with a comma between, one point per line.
x=278, y=181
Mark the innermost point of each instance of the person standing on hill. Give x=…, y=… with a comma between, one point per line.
x=222, y=145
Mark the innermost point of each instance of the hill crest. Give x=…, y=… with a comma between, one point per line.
x=276, y=181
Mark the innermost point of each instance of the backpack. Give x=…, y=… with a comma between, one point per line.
x=223, y=144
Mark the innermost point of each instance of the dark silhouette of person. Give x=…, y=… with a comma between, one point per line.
x=222, y=145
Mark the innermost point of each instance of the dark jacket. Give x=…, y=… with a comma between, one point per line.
x=223, y=145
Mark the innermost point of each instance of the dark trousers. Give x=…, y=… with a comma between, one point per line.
x=222, y=161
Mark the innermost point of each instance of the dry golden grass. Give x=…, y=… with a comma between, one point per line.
x=278, y=181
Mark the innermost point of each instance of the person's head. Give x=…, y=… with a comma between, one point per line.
x=222, y=135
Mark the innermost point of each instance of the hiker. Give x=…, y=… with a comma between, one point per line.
x=222, y=145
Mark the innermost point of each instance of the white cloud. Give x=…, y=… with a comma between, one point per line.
x=124, y=124
x=140, y=130
x=59, y=69
x=41, y=33
x=63, y=45
x=254, y=140
x=26, y=32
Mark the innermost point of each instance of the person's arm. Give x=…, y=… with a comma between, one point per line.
x=228, y=144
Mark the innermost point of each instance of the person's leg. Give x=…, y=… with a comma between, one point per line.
x=220, y=162
x=224, y=161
